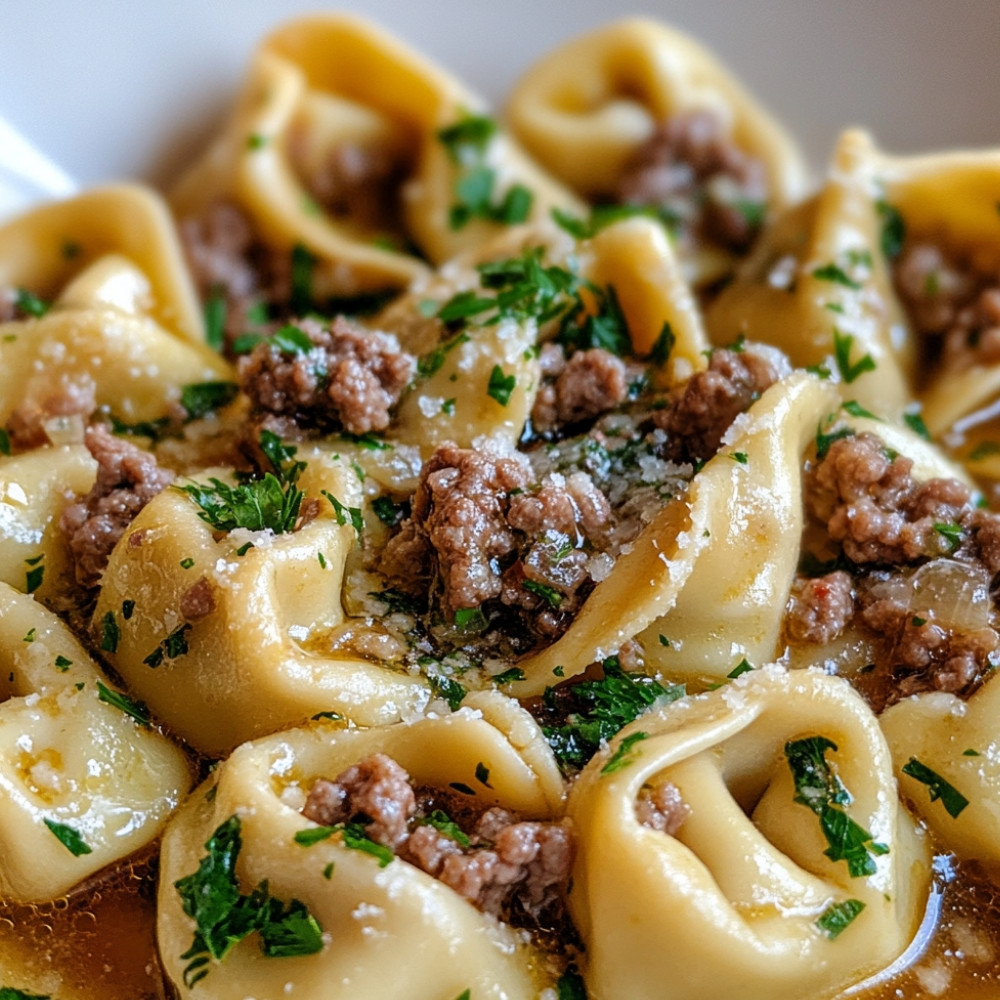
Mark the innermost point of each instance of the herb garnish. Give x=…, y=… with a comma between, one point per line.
x=501, y=385
x=831, y=272
x=893, y=233
x=916, y=423
x=110, y=633
x=34, y=575
x=951, y=532
x=819, y=789
x=202, y=398
x=272, y=501
x=550, y=595
x=136, y=709
x=607, y=705
x=344, y=513
x=624, y=755
x=842, y=343
x=224, y=916
x=837, y=917
x=29, y=304
x=68, y=837
x=443, y=823
x=175, y=644
x=449, y=689
x=938, y=788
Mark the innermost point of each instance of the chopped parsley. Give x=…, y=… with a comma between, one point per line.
x=985, y=449
x=624, y=755
x=741, y=457
x=128, y=607
x=449, y=689
x=916, y=423
x=136, y=709
x=35, y=574
x=5, y=448
x=570, y=985
x=819, y=789
x=893, y=233
x=500, y=385
x=224, y=916
x=202, y=398
x=483, y=774
x=110, y=633
x=663, y=346
x=443, y=823
x=354, y=837
x=63, y=663
x=472, y=619
x=831, y=272
x=68, y=837
x=475, y=185
x=29, y=304
x=214, y=312
x=271, y=501
x=602, y=216
x=951, y=532
x=605, y=706
x=938, y=788
x=837, y=917
x=174, y=645
x=187, y=563
x=741, y=668
x=842, y=344
x=9, y=993
x=855, y=409
x=509, y=676
x=550, y=595
x=824, y=440
x=303, y=264
x=388, y=512
x=345, y=514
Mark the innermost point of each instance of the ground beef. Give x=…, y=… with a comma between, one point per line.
x=376, y=792
x=225, y=256
x=350, y=379
x=700, y=414
x=955, y=309
x=26, y=425
x=198, y=601
x=871, y=504
x=691, y=167
x=589, y=384
x=819, y=609
x=918, y=653
x=662, y=808
x=127, y=479
x=457, y=529
x=352, y=181
x=507, y=864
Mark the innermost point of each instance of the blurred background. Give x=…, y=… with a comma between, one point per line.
x=112, y=88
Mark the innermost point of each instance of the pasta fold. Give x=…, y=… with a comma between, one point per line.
x=388, y=930
x=737, y=900
x=225, y=642
x=82, y=784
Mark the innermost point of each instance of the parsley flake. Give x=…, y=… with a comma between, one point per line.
x=345, y=514
x=831, y=272
x=951, y=532
x=449, y=689
x=110, y=633
x=68, y=837
x=550, y=595
x=624, y=755
x=500, y=385
x=916, y=423
x=893, y=233
x=443, y=823
x=938, y=788
x=136, y=709
x=842, y=344
x=837, y=917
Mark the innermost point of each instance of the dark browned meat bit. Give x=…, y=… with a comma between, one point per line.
x=226, y=257
x=26, y=424
x=662, y=808
x=353, y=181
x=457, y=528
x=507, y=862
x=873, y=506
x=951, y=304
x=127, y=479
x=377, y=789
x=198, y=601
x=351, y=378
x=717, y=191
x=819, y=609
x=591, y=383
x=699, y=416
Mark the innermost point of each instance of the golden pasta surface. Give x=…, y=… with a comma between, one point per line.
x=543, y=554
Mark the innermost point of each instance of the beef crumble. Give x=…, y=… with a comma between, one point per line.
x=590, y=383
x=920, y=559
x=500, y=864
x=127, y=479
x=350, y=379
x=662, y=808
x=715, y=190
x=954, y=308
x=705, y=406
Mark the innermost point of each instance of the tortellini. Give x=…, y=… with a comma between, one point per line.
x=738, y=901
x=83, y=782
x=947, y=756
x=388, y=929
x=332, y=89
x=585, y=109
x=45, y=249
x=716, y=566
x=818, y=286
x=225, y=642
